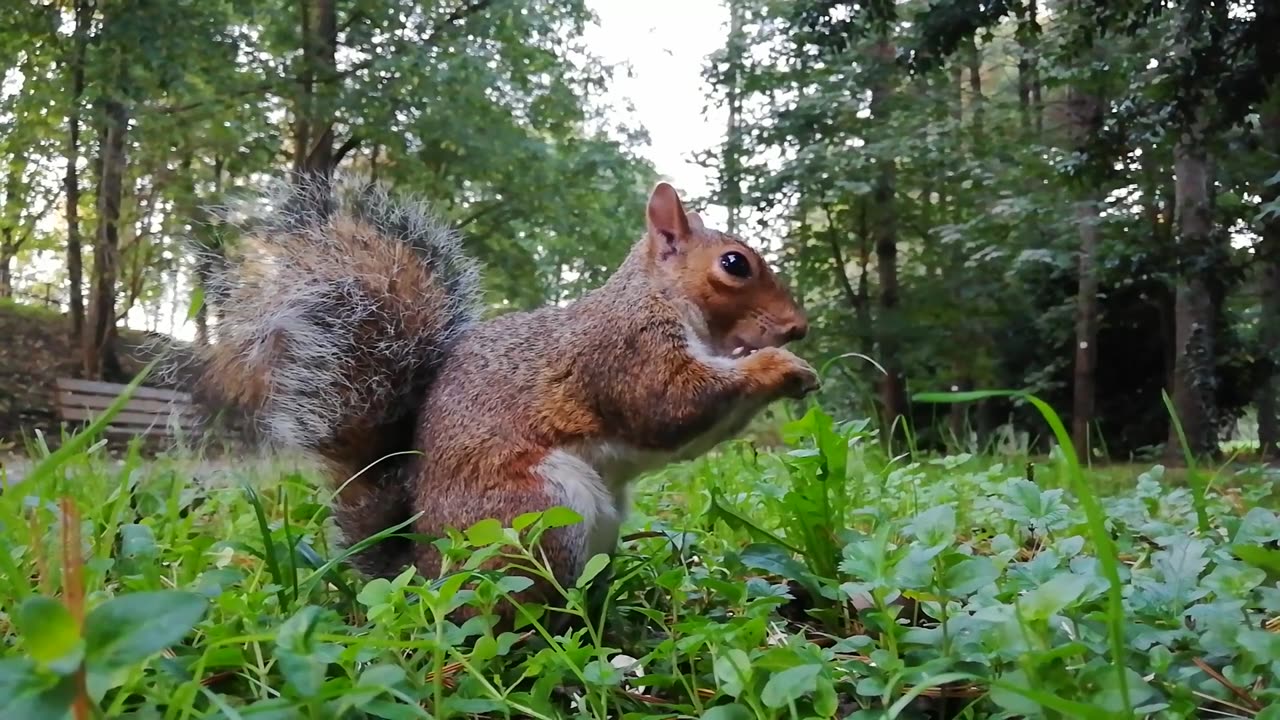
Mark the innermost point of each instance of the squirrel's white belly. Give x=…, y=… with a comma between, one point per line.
x=581, y=488
x=592, y=479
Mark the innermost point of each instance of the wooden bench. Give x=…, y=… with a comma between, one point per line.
x=149, y=411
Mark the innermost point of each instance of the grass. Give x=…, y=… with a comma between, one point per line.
x=817, y=579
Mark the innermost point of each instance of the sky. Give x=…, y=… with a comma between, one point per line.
x=666, y=43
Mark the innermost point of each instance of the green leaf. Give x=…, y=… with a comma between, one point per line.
x=1265, y=559
x=1060, y=592
x=733, y=672
x=128, y=629
x=375, y=592
x=826, y=702
x=1109, y=696
x=593, y=567
x=50, y=634
x=601, y=672
x=776, y=560
x=560, y=516
x=382, y=676
x=484, y=533
x=790, y=685
x=732, y=711
x=1258, y=527
x=969, y=576
x=935, y=526
x=29, y=693
x=514, y=583
x=137, y=541
x=720, y=510
x=394, y=710
x=1180, y=565
x=296, y=652
x=1234, y=581
x=524, y=520
x=1008, y=697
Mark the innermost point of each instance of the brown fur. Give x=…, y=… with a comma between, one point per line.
x=613, y=372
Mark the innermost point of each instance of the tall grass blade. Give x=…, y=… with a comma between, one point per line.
x=319, y=573
x=1199, y=488
x=1088, y=496
x=268, y=547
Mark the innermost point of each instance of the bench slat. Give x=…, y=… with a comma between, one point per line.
x=102, y=402
x=129, y=418
x=149, y=431
x=92, y=387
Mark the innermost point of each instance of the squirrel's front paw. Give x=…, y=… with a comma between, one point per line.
x=802, y=378
x=785, y=373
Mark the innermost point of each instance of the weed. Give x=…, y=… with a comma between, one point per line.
x=820, y=579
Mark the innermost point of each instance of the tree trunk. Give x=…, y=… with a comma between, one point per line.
x=893, y=398
x=204, y=268
x=1084, y=111
x=1269, y=321
x=974, y=62
x=71, y=181
x=1027, y=34
x=892, y=390
x=1084, y=386
x=1194, y=378
x=1024, y=81
x=313, y=131
x=1269, y=332
x=1037, y=102
x=957, y=99
x=99, y=352
x=202, y=311
x=7, y=251
x=862, y=316
x=732, y=163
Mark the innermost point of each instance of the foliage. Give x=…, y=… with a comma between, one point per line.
x=818, y=579
x=486, y=109
x=975, y=119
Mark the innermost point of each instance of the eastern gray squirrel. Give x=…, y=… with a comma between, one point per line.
x=351, y=328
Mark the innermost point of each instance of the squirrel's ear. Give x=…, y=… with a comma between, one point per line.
x=695, y=222
x=668, y=224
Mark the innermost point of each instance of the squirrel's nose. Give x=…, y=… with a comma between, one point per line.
x=795, y=330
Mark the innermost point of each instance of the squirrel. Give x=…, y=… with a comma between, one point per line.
x=351, y=327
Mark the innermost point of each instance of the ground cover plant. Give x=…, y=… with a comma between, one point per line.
x=826, y=577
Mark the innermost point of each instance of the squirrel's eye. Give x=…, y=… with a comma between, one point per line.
x=735, y=263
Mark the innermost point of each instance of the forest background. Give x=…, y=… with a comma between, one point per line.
x=1080, y=199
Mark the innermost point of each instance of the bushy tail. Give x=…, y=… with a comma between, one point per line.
x=336, y=306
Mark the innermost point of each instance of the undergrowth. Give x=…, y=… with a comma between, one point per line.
x=820, y=579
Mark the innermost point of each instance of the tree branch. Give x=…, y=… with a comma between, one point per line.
x=352, y=20
x=462, y=12
x=476, y=215
x=838, y=256
x=345, y=148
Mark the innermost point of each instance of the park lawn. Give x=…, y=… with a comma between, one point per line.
x=816, y=579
